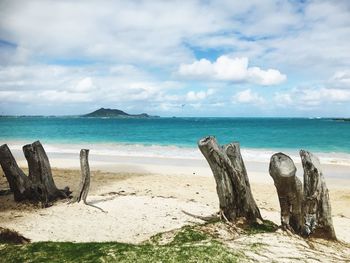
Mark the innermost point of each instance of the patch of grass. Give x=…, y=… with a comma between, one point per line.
x=188, y=234
x=188, y=245
x=155, y=239
x=256, y=246
x=266, y=227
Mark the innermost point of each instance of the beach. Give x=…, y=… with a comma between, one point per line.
x=176, y=131
x=148, y=177
x=135, y=197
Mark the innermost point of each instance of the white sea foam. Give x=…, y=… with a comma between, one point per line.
x=175, y=152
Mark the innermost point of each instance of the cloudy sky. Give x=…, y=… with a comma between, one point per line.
x=182, y=58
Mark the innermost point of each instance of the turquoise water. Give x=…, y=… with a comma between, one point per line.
x=322, y=135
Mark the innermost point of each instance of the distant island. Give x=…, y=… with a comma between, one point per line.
x=115, y=113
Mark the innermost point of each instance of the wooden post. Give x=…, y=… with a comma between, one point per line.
x=85, y=177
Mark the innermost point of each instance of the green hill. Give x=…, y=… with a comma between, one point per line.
x=115, y=113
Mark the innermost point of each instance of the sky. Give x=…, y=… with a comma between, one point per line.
x=176, y=58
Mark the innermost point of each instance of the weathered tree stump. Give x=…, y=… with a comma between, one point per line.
x=304, y=208
x=289, y=190
x=39, y=185
x=232, y=183
x=19, y=183
x=316, y=206
x=40, y=172
x=85, y=177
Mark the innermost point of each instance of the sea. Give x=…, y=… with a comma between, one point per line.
x=177, y=137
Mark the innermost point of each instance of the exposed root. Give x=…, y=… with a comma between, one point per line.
x=94, y=206
x=211, y=218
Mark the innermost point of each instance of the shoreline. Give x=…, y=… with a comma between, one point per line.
x=171, y=160
x=172, y=151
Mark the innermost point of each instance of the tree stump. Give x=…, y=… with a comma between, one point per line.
x=305, y=208
x=40, y=171
x=85, y=177
x=39, y=185
x=19, y=183
x=232, y=183
x=316, y=206
x=289, y=190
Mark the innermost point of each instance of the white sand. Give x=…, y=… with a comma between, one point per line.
x=145, y=196
x=124, y=218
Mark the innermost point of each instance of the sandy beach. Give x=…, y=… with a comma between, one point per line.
x=154, y=89
x=132, y=199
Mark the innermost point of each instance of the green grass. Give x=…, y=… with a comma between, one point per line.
x=256, y=246
x=189, y=244
x=265, y=227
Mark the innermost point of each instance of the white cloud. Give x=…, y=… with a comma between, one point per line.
x=201, y=68
x=293, y=33
x=283, y=99
x=231, y=69
x=64, y=96
x=340, y=79
x=34, y=77
x=193, y=96
x=248, y=96
x=225, y=68
x=45, y=97
x=309, y=98
x=129, y=50
x=84, y=85
x=200, y=95
x=132, y=31
x=24, y=84
x=266, y=77
x=327, y=95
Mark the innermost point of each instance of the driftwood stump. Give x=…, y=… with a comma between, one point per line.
x=85, y=177
x=40, y=171
x=232, y=183
x=19, y=183
x=39, y=185
x=289, y=190
x=305, y=209
x=316, y=206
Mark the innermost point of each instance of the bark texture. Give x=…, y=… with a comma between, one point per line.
x=289, y=190
x=19, y=183
x=39, y=185
x=40, y=172
x=317, y=207
x=85, y=177
x=232, y=183
x=306, y=208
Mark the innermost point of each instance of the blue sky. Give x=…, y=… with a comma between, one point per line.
x=182, y=58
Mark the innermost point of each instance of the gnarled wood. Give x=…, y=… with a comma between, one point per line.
x=85, y=177
x=40, y=172
x=18, y=181
x=232, y=183
x=305, y=208
x=289, y=190
x=316, y=207
x=39, y=185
